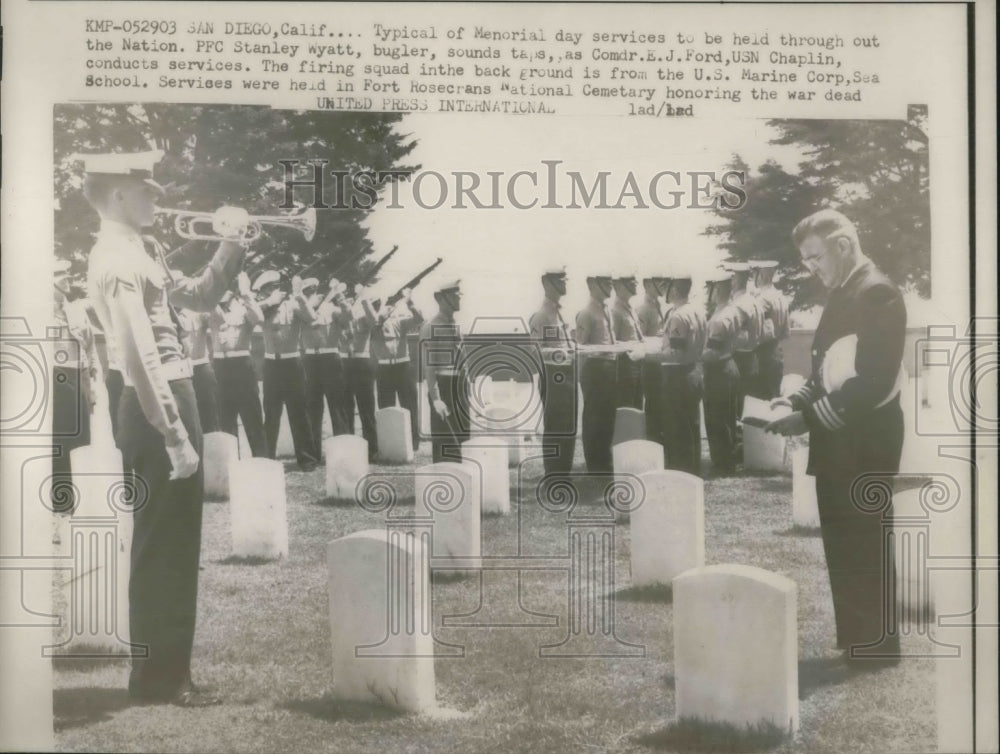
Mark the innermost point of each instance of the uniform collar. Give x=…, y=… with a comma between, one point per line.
x=550, y=304
x=861, y=264
x=621, y=303
x=114, y=227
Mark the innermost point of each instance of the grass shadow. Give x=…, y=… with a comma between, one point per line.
x=251, y=560
x=330, y=709
x=817, y=672
x=648, y=593
x=690, y=735
x=776, y=484
x=77, y=707
x=801, y=531
x=77, y=664
x=349, y=502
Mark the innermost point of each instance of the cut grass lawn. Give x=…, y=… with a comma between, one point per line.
x=263, y=644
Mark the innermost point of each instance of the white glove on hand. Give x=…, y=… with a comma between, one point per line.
x=636, y=354
x=440, y=408
x=183, y=459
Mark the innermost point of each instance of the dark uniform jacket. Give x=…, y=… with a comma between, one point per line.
x=858, y=426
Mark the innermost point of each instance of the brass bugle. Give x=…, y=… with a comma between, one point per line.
x=234, y=224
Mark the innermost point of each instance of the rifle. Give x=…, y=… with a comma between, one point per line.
x=378, y=266
x=412, y=283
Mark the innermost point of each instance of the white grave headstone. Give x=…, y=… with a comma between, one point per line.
x=257, y=509
x=100, y=541
x=346, y=458
x=632, y=458
x=220, y=449
x=285, y=447
x=395, y=443
x=450, y=494
x=790, y=383
x=630, y=424
x=736, y=646
x=668, y=528
x=805, y=510
x=380, y=619
x=503, y=423
x=762, y=451
x=489, y=454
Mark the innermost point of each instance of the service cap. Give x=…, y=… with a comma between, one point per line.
x=267, y=277
x=136, y=164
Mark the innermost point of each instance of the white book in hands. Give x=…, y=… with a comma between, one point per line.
x=758, y=413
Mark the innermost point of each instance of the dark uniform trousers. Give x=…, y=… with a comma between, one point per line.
x=166, y=542
x=558, y=388
x=360, y=376
x=861, y=567
x=770, y=370
x=285, y=387
x=597, y=380
x=239, y=396
x=325, y=383
x=206, y=391
x=746, y=365
x=448, y=434
x=652, y=388
x=70, y=429
x=629, y=382
x=721, y=384
x=393, y=381
x=680, y=417
x=114, y=383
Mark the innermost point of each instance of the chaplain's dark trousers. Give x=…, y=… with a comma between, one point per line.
x=240, y=396
x=597, y=380
x=681, y=417
x=393, y=381
x=166, y=542
x=448, y=433
x=558, y=387
x=206, y=390
x=854, y=536
x=325, y=384
x=652, y=389
x=770, y=370
x=629, y=382
x=70, y=429
x=114, y=383
x=285, y=387
x=721, y=384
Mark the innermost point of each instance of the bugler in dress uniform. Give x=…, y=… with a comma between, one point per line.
x=232, y=324
x=684, y=333
x=445, y=375
x=770, y=368
x=721, y=376
x=855, y=427
x=159, y=431
x=284, y=377
x=557, y=383
x=389, y=350
x=598, y=375
x=627, y=330
x=322, y=361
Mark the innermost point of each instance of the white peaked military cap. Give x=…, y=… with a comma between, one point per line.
x=762, y=264
x=558, y=271
x=136, y=164
x=309, y=283
x=448, y=286
x=718, y=276
x=266, y=278
x=737, y=267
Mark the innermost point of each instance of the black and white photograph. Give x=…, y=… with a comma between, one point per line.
x=409, y=383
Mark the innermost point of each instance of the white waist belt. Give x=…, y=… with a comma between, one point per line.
x=172, y=370
x=233, y=355
x=282, y=356
x=199, y=362
x=398, y=360
x=321, y=351
x=446, y=372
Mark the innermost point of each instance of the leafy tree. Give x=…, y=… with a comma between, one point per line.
x=875, y=172
x=229, y=155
